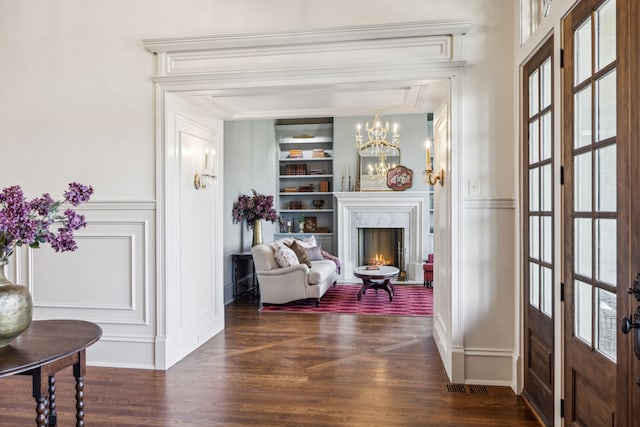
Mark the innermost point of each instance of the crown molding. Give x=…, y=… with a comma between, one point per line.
x=305, y=37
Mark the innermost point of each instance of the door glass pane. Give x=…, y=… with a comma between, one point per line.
x=606, y=106
x=584, y=311
x=547, y=290
x=533, y=142
x=545, y=136
x=606, y=250
x=545, y=82
x=606, y=326
x=534, y=192
x=547, y=238
x=583, y=244
x=606, y=179
x=534, y=237
x=582, y=51
x=533, y=93
x=545, y=183
x=582, y=117
x=605, y=34
x=534, y=285
x=582, y=182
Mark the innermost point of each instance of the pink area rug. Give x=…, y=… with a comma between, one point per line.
x=408, y=300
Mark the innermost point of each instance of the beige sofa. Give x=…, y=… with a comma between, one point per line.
x=281, y=285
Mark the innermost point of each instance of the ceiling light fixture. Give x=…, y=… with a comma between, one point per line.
x=377, y=137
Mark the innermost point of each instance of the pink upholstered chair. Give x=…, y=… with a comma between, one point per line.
x=428, y=271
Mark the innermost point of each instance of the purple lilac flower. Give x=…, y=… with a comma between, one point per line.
x=23, y=222
x=74, y=220
x=78, y=193
x=63, y=241
x=42, y=205
x=252, y=208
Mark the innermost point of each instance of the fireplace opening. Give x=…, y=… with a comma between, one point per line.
x=380, y=246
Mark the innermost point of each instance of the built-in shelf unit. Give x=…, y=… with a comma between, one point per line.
x=305, y=179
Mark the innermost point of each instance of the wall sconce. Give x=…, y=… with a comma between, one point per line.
x=546, y=7
x=202, y=179
x=427, y=175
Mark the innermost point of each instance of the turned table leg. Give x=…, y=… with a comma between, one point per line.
x=53, y=414
x=42, y=411
x=79, y=369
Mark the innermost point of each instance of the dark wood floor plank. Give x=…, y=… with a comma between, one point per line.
x=284, y=369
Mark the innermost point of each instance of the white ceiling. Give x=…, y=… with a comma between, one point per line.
x=393, y=98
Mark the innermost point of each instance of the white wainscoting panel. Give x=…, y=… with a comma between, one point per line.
x=109, y=280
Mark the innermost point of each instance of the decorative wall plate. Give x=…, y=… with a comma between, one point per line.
x=400, y=178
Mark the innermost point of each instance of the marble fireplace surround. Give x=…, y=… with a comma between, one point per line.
x=381, y=209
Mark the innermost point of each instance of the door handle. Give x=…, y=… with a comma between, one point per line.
x=627, y=325
x=633, y=323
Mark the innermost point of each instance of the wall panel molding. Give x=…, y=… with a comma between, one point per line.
x=489, y=203
x=109, y=280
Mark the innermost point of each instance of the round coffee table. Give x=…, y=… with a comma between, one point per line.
x=376, y=279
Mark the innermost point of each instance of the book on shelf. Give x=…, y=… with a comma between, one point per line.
x=295, y=204
x=324, y=186
x=316, y=171
x=297, y=169
x=306, y=188
x=295, y=154
x=317, y=153
x=290, y=190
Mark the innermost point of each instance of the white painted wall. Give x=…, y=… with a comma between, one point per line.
x=249, y=163
x=78, y=104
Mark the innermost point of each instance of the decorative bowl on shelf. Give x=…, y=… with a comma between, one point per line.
x=318, y=203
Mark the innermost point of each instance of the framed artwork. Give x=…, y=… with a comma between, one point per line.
x=400, y=178
x=310, y=224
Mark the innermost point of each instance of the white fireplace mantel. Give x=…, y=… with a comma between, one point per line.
x=382, y=209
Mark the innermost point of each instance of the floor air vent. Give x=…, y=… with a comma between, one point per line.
x=478, y=389
x=456, y=388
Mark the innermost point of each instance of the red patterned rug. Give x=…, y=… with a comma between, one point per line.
x=408, y=300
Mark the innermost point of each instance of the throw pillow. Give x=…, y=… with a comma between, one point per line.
x=285, y=257
x=315, y=253
x=301, y=253
x=307, y=242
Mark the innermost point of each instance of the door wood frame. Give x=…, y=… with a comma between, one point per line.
x=539, y=321
x=612, y=377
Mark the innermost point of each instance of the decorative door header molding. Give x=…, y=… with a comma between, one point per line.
x=410, y=51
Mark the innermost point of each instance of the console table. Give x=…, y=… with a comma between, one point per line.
x=241, y=262
x=42, y=350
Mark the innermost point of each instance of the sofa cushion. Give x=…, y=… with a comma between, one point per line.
x=307, y=242
x=285, y=257
x=320, y=271
x=315, y=253
x=301, y=253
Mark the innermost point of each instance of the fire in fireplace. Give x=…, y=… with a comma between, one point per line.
x=380, y=246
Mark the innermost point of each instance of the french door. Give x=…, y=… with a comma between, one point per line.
x=600, y=228
x=538, y=231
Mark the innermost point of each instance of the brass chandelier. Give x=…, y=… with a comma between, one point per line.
x=377, y=143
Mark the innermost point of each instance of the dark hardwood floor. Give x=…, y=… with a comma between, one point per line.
x=284, y=369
